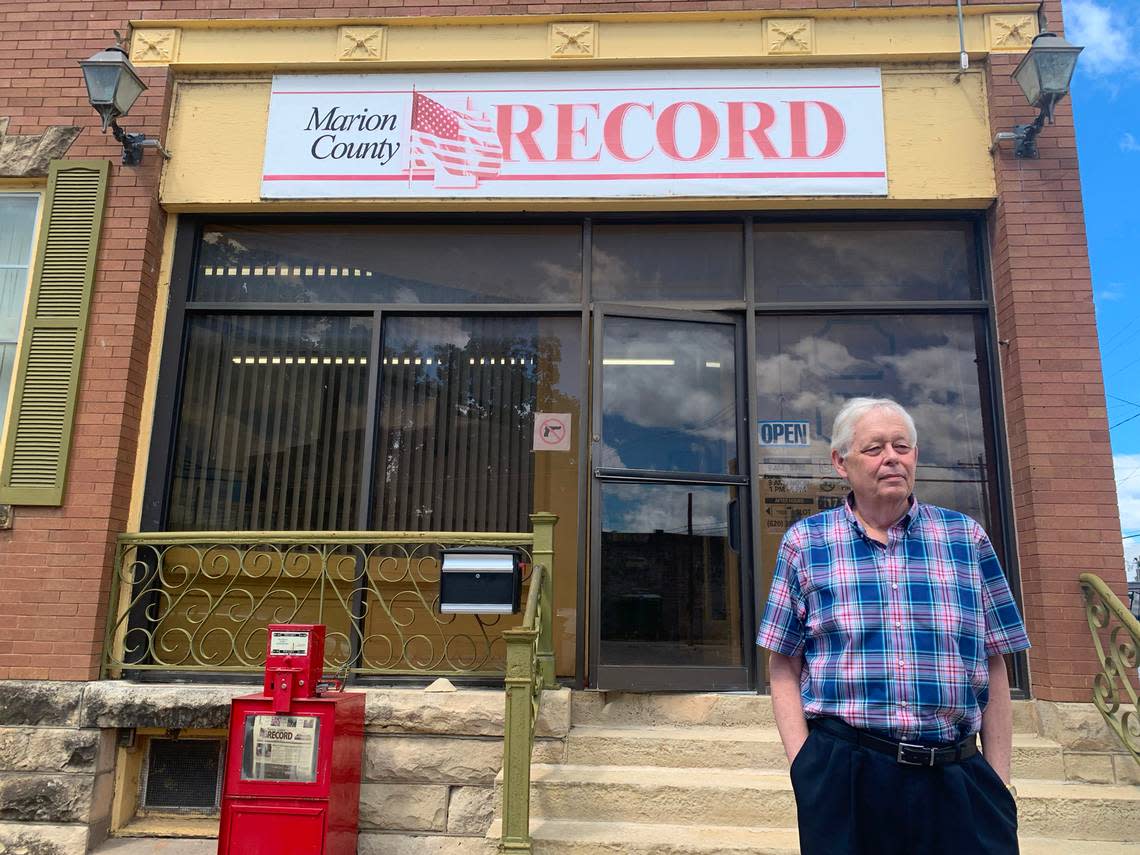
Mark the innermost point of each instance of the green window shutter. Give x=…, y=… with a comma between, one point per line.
x=33, y=462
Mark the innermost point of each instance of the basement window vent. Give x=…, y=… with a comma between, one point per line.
x=183, y=775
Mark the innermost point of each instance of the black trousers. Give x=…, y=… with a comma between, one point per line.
x=852, y=800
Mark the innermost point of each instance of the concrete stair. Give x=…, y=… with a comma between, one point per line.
x=706, y=774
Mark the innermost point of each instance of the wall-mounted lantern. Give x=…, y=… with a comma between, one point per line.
x=113, y=86
x=1044, y=75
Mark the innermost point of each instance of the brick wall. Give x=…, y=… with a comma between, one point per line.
x=55, y=564
x=1064, y=489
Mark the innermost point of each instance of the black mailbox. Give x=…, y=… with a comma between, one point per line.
x=480, y=581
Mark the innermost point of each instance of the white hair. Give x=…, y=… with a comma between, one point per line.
x=843, y=431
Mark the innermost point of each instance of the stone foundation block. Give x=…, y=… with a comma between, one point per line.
x=403, y=807
x=40, y=702
x=470, y=810
x=39, y=797
x=1127, y=769
x=430, y=759
x=409, y=844
x=469, y=712
x=1089, y=768
x=30, y=749
x=21, y=839
x=117, y=703
x=1077, y=727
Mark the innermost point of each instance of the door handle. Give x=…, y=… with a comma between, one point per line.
x=734, y=525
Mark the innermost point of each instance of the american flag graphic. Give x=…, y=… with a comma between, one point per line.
x=463, y=143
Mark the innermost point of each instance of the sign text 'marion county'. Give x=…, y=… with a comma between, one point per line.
x=327, y=147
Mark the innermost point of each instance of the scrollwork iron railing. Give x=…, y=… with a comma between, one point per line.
x=530, y=669
x=201, y=601
x=1118, y=649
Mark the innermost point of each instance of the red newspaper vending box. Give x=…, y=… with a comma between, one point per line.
x=292, y=782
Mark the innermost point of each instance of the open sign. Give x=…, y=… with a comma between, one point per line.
x=794, y=434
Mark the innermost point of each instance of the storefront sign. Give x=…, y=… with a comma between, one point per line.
x=551, y=431
x=703, y=132
x=795, y=434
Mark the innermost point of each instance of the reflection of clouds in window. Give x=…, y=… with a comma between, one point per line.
x=611, y=458
x=441, y=332
x=938, y=384
x=864, y=264
x=668, y=512
x=559, y=279
x=688, y=397
x=936, y=371
x=927, y=364
x=609, y=272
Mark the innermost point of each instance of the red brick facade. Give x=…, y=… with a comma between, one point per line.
x=55, y=563
x=1067, y=523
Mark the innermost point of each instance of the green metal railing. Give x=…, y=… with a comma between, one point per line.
x=530, y=669
x=201, y=601
x=1118, y=649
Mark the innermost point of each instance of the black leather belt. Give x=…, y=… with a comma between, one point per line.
x=906, y=753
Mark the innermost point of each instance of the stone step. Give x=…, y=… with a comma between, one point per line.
x=745, y=748
x=741, y=709
x=557, y=837
x=764, y=797
x=367, y=844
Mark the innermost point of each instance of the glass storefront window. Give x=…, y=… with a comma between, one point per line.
x=390, y=264
x=638, y=262
x=933, y=365
x=671, y=575
x=271, y=436
x=865, y=262
x=669, y=396
x=280, y=405
x=458, y=401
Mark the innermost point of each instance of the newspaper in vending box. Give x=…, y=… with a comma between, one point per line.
x=281, y=748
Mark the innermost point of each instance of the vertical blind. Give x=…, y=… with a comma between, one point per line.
x=271, y=435
x=272, y=428
x=457, y=406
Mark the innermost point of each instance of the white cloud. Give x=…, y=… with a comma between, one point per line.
x=1111, y=293
x=1104, y=32
x=1129, y=143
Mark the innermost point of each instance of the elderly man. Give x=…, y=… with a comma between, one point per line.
x=888, y=621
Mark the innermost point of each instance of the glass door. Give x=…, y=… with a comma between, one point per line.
x=668, y=493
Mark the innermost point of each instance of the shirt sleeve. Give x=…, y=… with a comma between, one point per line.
x=1005, y=631
x=782, y=628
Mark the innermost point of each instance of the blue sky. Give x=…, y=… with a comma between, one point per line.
x=1106, y=100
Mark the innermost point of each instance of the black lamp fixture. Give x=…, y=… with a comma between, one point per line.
x=112, y=88
x=1044, y=75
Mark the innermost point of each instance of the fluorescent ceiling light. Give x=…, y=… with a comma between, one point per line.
x=631, y=361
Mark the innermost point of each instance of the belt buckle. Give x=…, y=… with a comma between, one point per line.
x=927, y=759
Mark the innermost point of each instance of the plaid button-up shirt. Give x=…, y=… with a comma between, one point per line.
x=894, y=638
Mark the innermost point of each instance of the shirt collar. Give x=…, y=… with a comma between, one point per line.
x=904, y=523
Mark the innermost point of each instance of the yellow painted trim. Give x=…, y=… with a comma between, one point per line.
x=23, y=185
x=150, y=390
x=126, y=819
x=650, y=39
x=936, y=125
